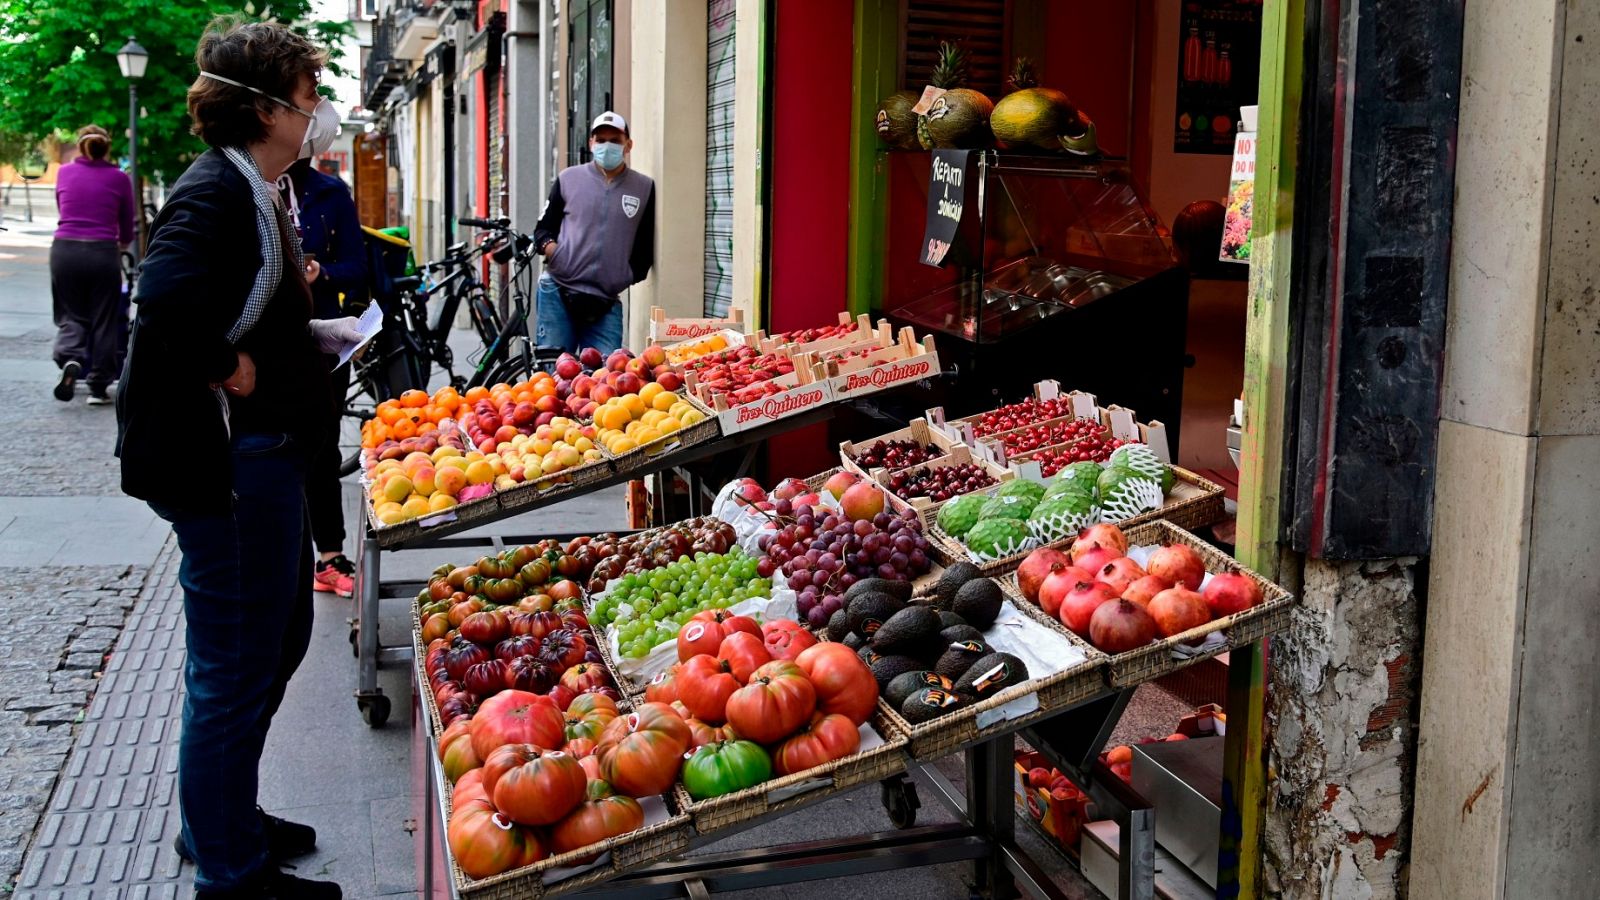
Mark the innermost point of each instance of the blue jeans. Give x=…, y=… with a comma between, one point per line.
x=557, y=331
x=246, y=579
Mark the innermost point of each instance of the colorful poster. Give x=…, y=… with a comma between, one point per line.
x=1219, y=63
x=1236, y=224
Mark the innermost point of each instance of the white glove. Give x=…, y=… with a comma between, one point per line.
x=334, y=336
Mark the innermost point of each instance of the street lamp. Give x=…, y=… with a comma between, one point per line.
x=131, y=59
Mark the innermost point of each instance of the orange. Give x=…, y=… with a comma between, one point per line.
x=414, y=399
x=388, y=412
x=446, y=397
x=476, y=393
x=425, y=427
x=404, y=428
x=501, y=388
x=544, y=389
x=437, y=414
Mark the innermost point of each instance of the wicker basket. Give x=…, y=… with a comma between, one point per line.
x=544, y=490
x=999, y=714
x=1156, y=660
x=701, y=432
x=628, y=851
x=483, y=509
x=1194, y=502
x=775, y=795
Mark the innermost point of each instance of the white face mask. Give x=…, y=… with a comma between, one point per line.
x=320, y=131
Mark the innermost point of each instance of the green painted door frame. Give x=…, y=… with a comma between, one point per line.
x=873, y=75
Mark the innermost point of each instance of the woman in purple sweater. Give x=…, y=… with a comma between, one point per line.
x=96, y=202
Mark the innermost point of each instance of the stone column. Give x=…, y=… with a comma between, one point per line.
x=1508, y=769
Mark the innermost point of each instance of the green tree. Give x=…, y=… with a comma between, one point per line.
x=59, y=68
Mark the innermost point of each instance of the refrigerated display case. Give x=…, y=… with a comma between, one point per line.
x=1061, y=272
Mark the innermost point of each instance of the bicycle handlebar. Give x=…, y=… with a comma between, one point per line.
x=501, y=223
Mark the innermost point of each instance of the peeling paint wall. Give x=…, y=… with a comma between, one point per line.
x=1342, y=735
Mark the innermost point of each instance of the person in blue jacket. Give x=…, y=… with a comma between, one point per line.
x=336, y=265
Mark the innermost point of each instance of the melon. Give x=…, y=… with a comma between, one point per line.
x=1032, y=116
x=896, y=123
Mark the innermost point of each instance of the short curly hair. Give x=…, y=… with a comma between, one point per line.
x=265, y=55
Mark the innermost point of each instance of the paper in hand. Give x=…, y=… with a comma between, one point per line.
x=370, y=323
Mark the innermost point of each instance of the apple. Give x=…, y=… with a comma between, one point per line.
x=839, y=482
x=568, y=367
x=590, y=358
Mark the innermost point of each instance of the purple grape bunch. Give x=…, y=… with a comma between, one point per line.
x=822, y=553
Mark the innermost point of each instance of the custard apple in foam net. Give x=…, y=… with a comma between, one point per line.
x=1063, y=515
x=1125, y=493
x=1007, y=507
x=998, y=537
x=1140, y=458
x=959, y=515
x=1021, y=487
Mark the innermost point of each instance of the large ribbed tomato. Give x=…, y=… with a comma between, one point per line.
x=469, y=786
x=701, y=734
x=744, y=653
x=664, y=687
x=704, y=685
x=454, y=730
x=486, y=843
x=704, y=632
x=460, y=758
x=786, y=638
x=777, y=699
x=827, y=737
x=589, y=715
x=603, y=814
x=516, y=717
x=533, y=786
x=640, y=753
x=844, y=683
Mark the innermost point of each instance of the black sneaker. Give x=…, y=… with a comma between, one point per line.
x=271, y=884
x=69, y=380
x=98, y=397
x=285, y=839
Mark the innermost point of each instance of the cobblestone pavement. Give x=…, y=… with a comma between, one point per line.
x=74, y=553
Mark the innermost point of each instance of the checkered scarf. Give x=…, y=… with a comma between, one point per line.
x=274, y=230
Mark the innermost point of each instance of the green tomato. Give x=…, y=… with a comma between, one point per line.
x=723, y=767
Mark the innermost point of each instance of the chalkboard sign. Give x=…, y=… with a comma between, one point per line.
x=948, y=179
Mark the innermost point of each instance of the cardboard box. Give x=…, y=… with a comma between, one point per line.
x=664, y=330
x=1058, y=814
x=730, y=337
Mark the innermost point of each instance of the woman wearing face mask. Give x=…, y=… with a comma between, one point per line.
x=222, y=403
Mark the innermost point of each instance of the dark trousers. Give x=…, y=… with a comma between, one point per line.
x=246, y=580
x=85, y=289
x=324, y=494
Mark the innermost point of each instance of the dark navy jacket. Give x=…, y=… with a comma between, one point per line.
x=330, y=230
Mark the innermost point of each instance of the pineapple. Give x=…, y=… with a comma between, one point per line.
x=959, y=119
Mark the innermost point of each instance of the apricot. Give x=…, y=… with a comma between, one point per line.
x=415, y=505
x=480, y=472
x=389, y=513
x=663, y=401
x=424, y=479
x=397, y=488
x=449, y=480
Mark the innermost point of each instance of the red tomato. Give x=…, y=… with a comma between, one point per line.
x=704, y=685
x=516, y=717
x=456, y=729
x=664, y=687
x=486, y=843
x=470, y=786
x=744, y=652
x=459, y=758
x=580, y=748
x=640, y=753
x=700, y=733
x=827, y=737
x=843, y=682
x=583, y=676
x=785, y=639
x=777, y=700
x=705, y=632
x=602, y=815
x=532, y=786
x=588, y=717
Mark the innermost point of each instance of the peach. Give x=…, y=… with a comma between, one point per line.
x=603, y=392
x=654, y=355
x=397, y=488
x=629, y=383
x=449, y=480
x=582, y=385
x=505, y=433
x=588, y=409
x=670, y=381
x=546, y=404
x=424, y=480
x=445, y=452
x=544, y=418
x=637, y=369
x=415, y=458
x=618, y=360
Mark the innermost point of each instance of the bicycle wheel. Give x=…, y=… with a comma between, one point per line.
x=511, y=370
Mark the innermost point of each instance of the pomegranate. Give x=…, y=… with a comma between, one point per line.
x=1081, y=602
x=1094, y=558
x=862, y=500
x=1229, y=592
x=1119, y=573
x=1036, y=568
x=1107, y=536
x=1178, y=564
x=1179, y=609
x=1057, y=585
x=1120, y=626
x=1143, y=589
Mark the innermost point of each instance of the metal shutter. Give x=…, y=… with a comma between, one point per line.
x=979, y=26
x=719, y=157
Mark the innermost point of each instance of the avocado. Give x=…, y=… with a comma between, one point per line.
x=908, y=683
x=991, y=675
x=930, y=703
x=899, y=590
x=978, y=602
x=838, y=625
x=944, y=591
x=949, y=619
x=959, y=656
x=870, y=610
x=866, y=654
x=909, y=631
x=854, y=641
x=887, y=668
x=957, y=633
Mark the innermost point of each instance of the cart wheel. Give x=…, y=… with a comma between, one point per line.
x=355, y=636
x=899, y=797
x=374, y=709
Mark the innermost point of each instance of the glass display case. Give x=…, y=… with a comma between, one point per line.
x=1049, y=235
x=1059, y=270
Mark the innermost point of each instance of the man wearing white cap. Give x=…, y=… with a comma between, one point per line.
x=597, y=235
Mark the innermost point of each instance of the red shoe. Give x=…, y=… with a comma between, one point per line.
x=336, y=575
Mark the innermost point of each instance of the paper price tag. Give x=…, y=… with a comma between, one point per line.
x=1047, y=390
x=929, y=94
x=1084, y=406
